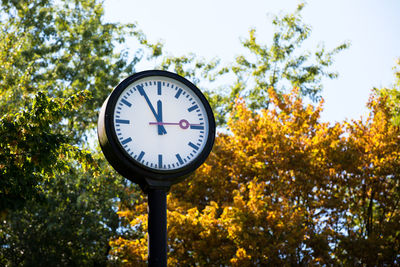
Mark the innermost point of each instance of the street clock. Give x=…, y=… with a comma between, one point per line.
x=156, y=128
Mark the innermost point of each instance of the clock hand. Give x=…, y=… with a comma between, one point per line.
x=184, y=124
x=161, y=129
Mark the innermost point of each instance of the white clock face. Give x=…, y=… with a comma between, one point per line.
x=160, y=123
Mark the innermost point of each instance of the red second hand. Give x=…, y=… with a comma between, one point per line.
x=184, y=124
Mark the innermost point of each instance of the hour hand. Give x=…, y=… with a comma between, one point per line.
x=161, y=129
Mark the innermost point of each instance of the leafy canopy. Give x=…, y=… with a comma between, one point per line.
x=393, y=96
x=281, y=187
x=285, y=189
x=58, y=197
x=281, y=63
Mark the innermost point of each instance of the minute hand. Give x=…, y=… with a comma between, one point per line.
x=161, y=129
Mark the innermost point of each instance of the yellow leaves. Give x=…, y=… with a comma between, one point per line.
x=241, y=258
x=124, y=213
x=272, y=215
x=282, y=183
x=132, y=252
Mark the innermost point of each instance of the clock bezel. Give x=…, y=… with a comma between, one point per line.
x=123, y=162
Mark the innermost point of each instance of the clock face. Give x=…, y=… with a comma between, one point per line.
x=161, y=123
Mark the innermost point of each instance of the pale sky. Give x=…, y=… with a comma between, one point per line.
x=213, y=28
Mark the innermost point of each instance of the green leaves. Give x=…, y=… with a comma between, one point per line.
x=31, y=149
x=59, y=60
x=282, y=63
x=70, y=224
x=64, y=47
x=392, y=97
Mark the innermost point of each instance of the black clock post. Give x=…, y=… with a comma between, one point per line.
x=155, y=129
x=157, y=227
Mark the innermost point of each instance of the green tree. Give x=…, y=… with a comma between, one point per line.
x=59, y=62
x=30, y=149
x=281, y=63
x=393, y=96
x=63, y=47
x=69, y=224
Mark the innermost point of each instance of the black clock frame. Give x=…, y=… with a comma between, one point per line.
x=119, y=158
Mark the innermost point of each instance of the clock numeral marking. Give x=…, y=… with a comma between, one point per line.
x=122, y=121
x=193, y=108
x=159, y=88
x=126, y=103
x=197, y=127
x=160, y=161
x=140, y=156
x=127, y=140
x=179, y=158
x=178, y=93
x=193, y=146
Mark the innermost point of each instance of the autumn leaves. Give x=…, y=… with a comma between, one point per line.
x=284, y=188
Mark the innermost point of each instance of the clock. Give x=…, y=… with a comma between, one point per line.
x=156, y=128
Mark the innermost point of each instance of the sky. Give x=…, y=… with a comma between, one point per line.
x=214, y=28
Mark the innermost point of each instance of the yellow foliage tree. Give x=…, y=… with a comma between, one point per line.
x=283, y=188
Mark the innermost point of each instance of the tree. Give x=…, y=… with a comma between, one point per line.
x=286, y=189
x=281, y=64
x=393, y=96
x=59, y=62
x=370, y=186
x=63, y=47
x=70, y=224
x=31, y=150
x=244, y=207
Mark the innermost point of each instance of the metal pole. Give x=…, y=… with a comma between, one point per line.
x=157, y=228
